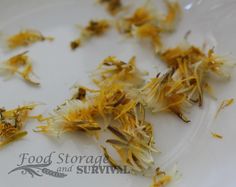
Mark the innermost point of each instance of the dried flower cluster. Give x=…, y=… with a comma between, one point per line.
x=123, y=95
x=184, y=84
x=125, y=117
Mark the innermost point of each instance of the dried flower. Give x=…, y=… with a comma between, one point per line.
x=169, y=21
x=25, y=38
x=13, y=121
x=164, y=93
x=134, y=140
x=134, y=146
x=140, y=17
x=113, y=101
x=161, y=181
x=113, y=70
x=19, y=64
x=151, y=32
x=145, y=23
x=112, y=6
x=112, y=104
x=122, y=98
x=193, y=66
x=72, y=116
x=94, y=28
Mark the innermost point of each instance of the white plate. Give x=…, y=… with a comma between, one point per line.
x=202, y=160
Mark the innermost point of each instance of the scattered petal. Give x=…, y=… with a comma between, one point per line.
x=19, y=64
x=94, y=28
x=112, y=6
x=26, y=38
x=217, y=136
x=224, y=104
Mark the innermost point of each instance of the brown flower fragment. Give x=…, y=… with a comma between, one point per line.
x=112, y=6
x=93, y=29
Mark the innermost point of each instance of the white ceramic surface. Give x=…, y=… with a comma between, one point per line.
x=202, y=160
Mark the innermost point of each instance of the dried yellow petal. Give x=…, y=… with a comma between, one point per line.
x=215, y=135
x=224, y=104
x=25, y=38
x=161, y=181
x=19, y=64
